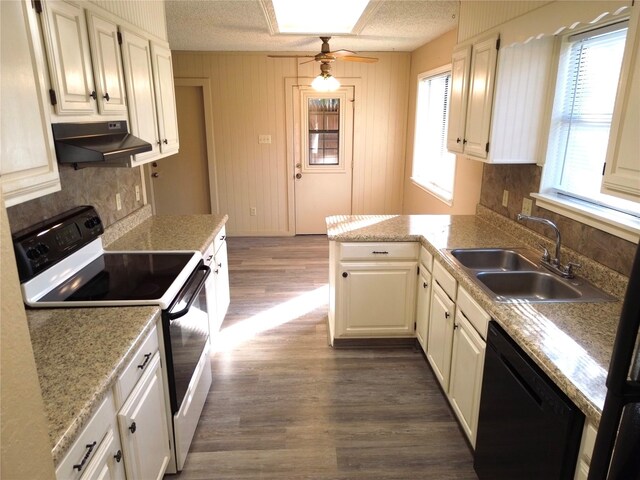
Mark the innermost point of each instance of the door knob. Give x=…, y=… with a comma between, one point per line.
x=298, y=176
x=155, y=174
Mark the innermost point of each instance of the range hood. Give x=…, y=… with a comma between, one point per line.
x=96, y=144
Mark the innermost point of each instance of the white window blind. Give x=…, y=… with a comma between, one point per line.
x=585, y=97
x=433, y=165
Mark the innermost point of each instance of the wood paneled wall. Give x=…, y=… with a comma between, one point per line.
x=145, y=14
x=248, y=100
x=477, y=17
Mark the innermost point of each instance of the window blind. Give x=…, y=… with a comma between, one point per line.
x=433, y=165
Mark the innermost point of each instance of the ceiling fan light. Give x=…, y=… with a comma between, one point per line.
x=325, y=83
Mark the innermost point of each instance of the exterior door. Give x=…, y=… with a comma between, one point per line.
x=323, y=151
x=180, y=182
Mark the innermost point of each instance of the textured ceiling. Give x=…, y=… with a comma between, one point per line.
x=242, y=25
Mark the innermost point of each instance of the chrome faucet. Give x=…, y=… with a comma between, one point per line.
x=552, y=264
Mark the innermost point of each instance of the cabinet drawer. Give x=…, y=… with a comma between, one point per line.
x=474, y=312
x=426, y=258
x=209, y=253
x=221, y=236
x=84, y=449
x=379, y=251
x=136, y=367
x=445, y=280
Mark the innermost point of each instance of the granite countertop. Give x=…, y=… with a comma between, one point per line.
x=171, y=232
x=79, y=355
x=81, y=352
x=571, y=342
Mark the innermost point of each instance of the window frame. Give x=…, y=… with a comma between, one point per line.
x=428, y=187
x=592, y=213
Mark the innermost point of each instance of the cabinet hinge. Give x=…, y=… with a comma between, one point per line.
x=604, y=167
x=486, y=148
x=52, y=96
x=37, y=4
x=119, y=38
x=498, y=44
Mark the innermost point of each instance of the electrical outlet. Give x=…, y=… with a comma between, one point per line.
x=137, y=193
x=253, y=211
x=527, y=205
x=505, y=198
x=118, y=202
x=264, y=138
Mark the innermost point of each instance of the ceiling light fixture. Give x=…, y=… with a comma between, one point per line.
x=325, y=82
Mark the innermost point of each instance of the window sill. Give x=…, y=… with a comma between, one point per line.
x=430, y=191
x=601, y=218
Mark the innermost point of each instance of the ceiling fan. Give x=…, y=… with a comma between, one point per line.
x=327, y=56
x=325, y=81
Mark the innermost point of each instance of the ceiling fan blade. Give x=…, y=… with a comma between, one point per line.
x=308, y=61
x=291, y=56
x=342, y=52
x=357, y=58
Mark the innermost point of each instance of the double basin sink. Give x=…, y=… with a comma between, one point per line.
x=509, y=275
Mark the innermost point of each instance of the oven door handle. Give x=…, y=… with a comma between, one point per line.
x=183, y=312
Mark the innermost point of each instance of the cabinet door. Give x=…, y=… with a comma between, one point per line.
x=465, y=385
x=28, y=166
x=105, y=52
x=460, y=63
x=165, y=99
x=622, y=168
x=107, y=464
x=376, y=299
x=483, y=67
x=221, y=273
x=143, y=427
x=67, y=46
x=422, y=310
x=143, y=120
x=440, y=334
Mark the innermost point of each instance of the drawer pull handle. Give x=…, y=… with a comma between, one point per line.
x=425, y=285
x=380, y=253
x=118, y=456
x=147, y=356
x=133, y=427
x=89, y=448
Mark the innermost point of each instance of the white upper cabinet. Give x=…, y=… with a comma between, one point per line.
x=105, y=52
x=165, y=98
x=622, y=170
x=460, y=62
x=67, y=44
x=136, y=56
x=28, y=167
x=482, y=76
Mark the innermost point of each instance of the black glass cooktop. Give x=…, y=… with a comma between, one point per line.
x=122, y=277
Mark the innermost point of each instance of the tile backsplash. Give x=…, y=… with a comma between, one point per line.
x=88, y=186
x=520, y=181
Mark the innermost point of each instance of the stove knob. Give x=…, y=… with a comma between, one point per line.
x=42, y=248
x=88, y=223
x=32, y=253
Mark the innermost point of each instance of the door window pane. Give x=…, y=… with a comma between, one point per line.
x=324, y=131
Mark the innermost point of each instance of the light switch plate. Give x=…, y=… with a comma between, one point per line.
x=264, y=138
x=253, y=212
x=118, y=202
x=505, y=198
x=527, y=205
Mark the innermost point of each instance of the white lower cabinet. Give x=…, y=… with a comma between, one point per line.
x=143, y=426
x=423, y=295
x=218, y=292
x=96, y=453
x=465, y=383
x=440, y=337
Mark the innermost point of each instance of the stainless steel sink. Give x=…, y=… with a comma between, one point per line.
x=492, y=259
x=509, y=275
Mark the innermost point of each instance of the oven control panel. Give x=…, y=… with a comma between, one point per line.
x=40, y=246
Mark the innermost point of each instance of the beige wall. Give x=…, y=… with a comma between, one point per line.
x=468, y=177
x=248, y=100
x=24, y=441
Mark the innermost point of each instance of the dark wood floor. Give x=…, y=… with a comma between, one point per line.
x=285, y=405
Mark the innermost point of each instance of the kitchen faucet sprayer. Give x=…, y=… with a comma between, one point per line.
x=552, y=264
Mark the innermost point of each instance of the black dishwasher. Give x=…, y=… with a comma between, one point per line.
x=528, y=428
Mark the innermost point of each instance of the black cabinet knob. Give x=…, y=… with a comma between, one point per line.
x=345, y=274
x=94, y=95
x=133, y=427
x=425, y=285
x=118, y=456
x=106, y=96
